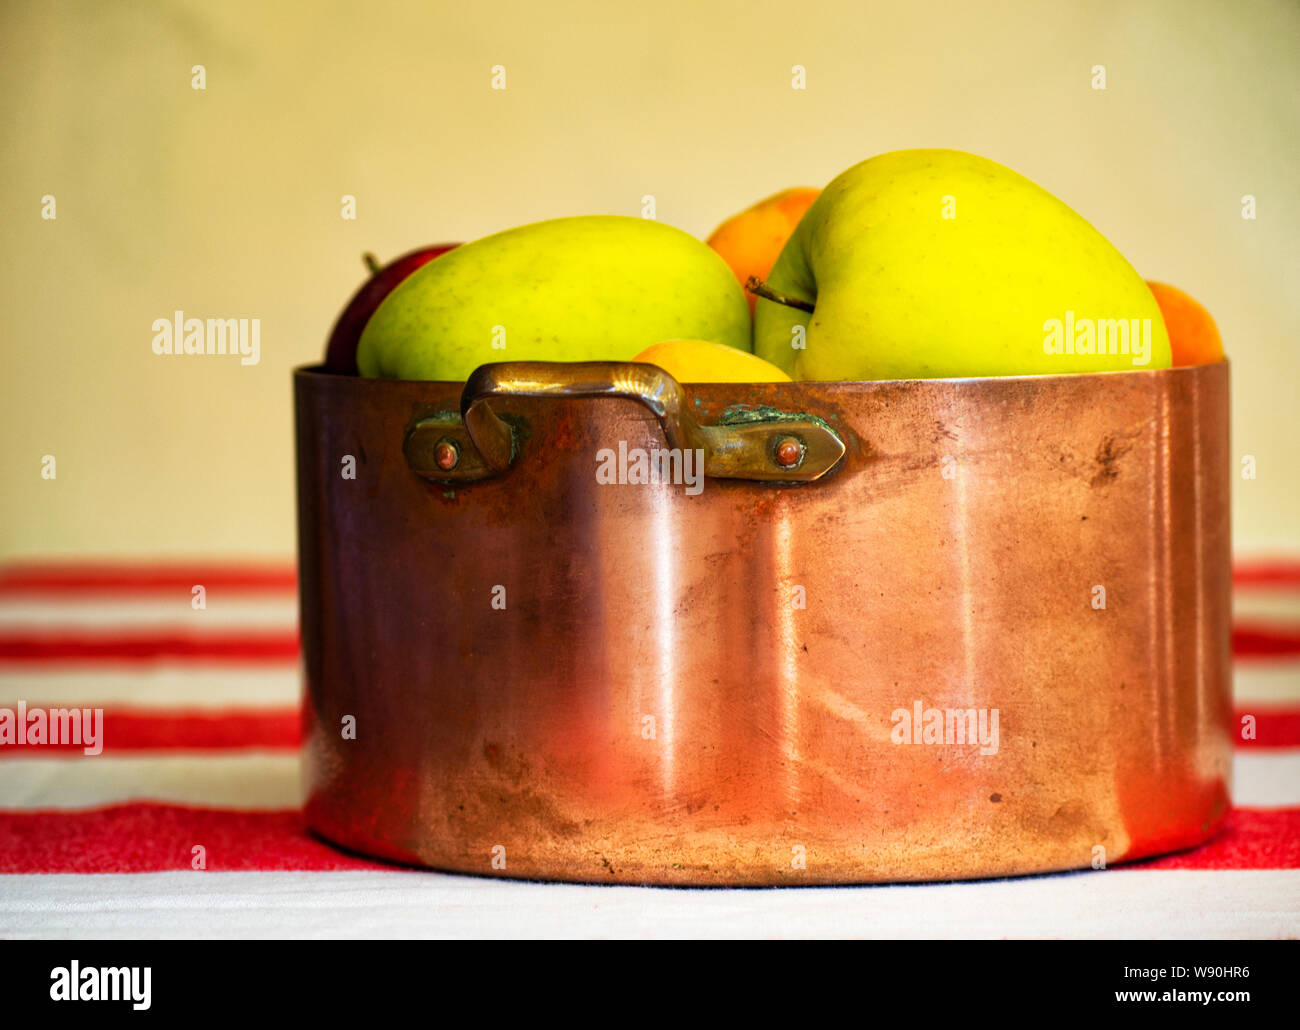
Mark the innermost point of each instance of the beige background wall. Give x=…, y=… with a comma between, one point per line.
x=226, y=202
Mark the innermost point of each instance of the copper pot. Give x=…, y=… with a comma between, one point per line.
x=901, y=631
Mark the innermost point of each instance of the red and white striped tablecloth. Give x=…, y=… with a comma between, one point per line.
x=201, y=709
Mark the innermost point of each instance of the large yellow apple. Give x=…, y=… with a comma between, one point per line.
x=923, y=264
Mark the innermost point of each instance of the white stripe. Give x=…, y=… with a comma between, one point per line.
x=68, y=616
x=166, y=686
x=1170, y=904
x=218, y=779
x=1262, y=778
x=1266, y=777
x=1266, y=683
x=226, y=610
x=1273, y=605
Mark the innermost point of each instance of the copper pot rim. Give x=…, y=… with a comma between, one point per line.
x=318, y=370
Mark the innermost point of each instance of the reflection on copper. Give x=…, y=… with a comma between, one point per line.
x=662, y=541
x=788, y=650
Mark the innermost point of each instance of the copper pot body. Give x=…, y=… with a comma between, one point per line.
x=557, y=678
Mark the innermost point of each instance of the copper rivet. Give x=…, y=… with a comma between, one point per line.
x=447, y=455
x=788, y=452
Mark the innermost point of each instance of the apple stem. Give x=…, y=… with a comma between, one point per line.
x=758, y=288
x=372, y=262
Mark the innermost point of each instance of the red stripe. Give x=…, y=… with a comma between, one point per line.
x=128, y=729
x=146, y=838
x=142, y=838
x=1251, y=838
x=1249, y=640
x=1252, y=639
x=280, y=578
x=125, y=729
x=134, y=578
x=1273, y=727
x=1266, y=575
x=117, y=646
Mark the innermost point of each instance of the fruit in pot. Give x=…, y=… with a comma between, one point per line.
x=703, y=361
x=751, y=241
x=593, y=287
x=923, y=264
x=1193, y=337
x=341, y=351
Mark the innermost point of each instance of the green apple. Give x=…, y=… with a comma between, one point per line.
x=597, y=287
x=925, y=264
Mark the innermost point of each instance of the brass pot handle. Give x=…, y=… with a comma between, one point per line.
x=757, y=443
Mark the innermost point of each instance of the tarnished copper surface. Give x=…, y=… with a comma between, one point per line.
x=653, y=704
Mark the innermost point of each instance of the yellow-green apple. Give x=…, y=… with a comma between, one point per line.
x=923, y=264
x=592, y=287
